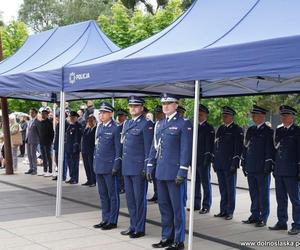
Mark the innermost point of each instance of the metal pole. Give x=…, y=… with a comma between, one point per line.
x=60, y=153
x=194, y=164
x=54, y=125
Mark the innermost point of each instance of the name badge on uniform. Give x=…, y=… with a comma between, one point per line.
x=173, y=128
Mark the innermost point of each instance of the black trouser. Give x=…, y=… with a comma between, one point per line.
x=47, y=158
x=88, y=166
x=22, y=148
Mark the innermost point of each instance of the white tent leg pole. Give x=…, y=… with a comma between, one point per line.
x=194, y=164
x=60, y=153
x=54, y=125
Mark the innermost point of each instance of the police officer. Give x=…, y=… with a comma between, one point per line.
x=159, y=115
x=257, y=162
x=136, y=137
x=206, y=137
x=287, y=170
x=72, y=146
x=228, y=149
x=171, y=154
x=121, y=117
x=107, y=162
x=181, y=111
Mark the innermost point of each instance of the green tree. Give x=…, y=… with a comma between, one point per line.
x=82, y=10
x=126, y=28
x=42, y=15
x=13, y=36
x=242, y=105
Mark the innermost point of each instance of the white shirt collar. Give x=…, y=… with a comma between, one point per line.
x=137, y=117
x=171, y=116
x=200, y=123
x=259, y=125
x=227, y=125
x=105, y=124
x=288, y=126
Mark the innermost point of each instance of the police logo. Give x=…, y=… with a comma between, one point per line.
x=72, y=78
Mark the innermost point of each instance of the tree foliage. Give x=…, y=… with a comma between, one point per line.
x=13, y=36
x=42, y=15
x=242, y=106
x=126, y=28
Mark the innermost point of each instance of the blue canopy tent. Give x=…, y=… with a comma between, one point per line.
x=36, y=69
x=234, y=48
x=218, y=48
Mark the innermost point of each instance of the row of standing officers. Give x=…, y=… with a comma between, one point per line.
x=144, y=151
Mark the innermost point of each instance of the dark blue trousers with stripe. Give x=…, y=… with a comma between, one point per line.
x=203, y=179
x=227, y=187
x=136, y=196
x=285, y=187
x=259, y=189
x=171, y=199
x=109, y=197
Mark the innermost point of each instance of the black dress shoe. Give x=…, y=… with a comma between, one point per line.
x=278, y=227
x=29, y=172
x=92, y=185
x=293, y=231
x=109, y=226
x=137, y=235
x=153, y=199
x=73, y=182
x=163, y=243
x=195, y=209
x=250, y=221
x=100, y=225
x=228, y=217
x=33, y=173
x=127, y=232
x=220, y=215
x=176, y=246
x=204, y=211
x=54, y=178
x=85, y=184
x=260, y=223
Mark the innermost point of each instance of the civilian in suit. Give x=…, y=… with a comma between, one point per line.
x=32, y=140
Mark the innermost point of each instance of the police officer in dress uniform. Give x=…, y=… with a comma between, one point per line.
x=136, y=137
x=159, y=115
x=121, y=117
x=206, y=137
x=72, y=146
x=107, y=162
x=228, y=149
x=257, y=162
x=171, y=153
x=287, y=170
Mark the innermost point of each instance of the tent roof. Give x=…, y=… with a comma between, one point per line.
x=234, y=47
x=37, y=67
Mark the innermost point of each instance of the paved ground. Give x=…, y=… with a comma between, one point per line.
x=27, y=208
